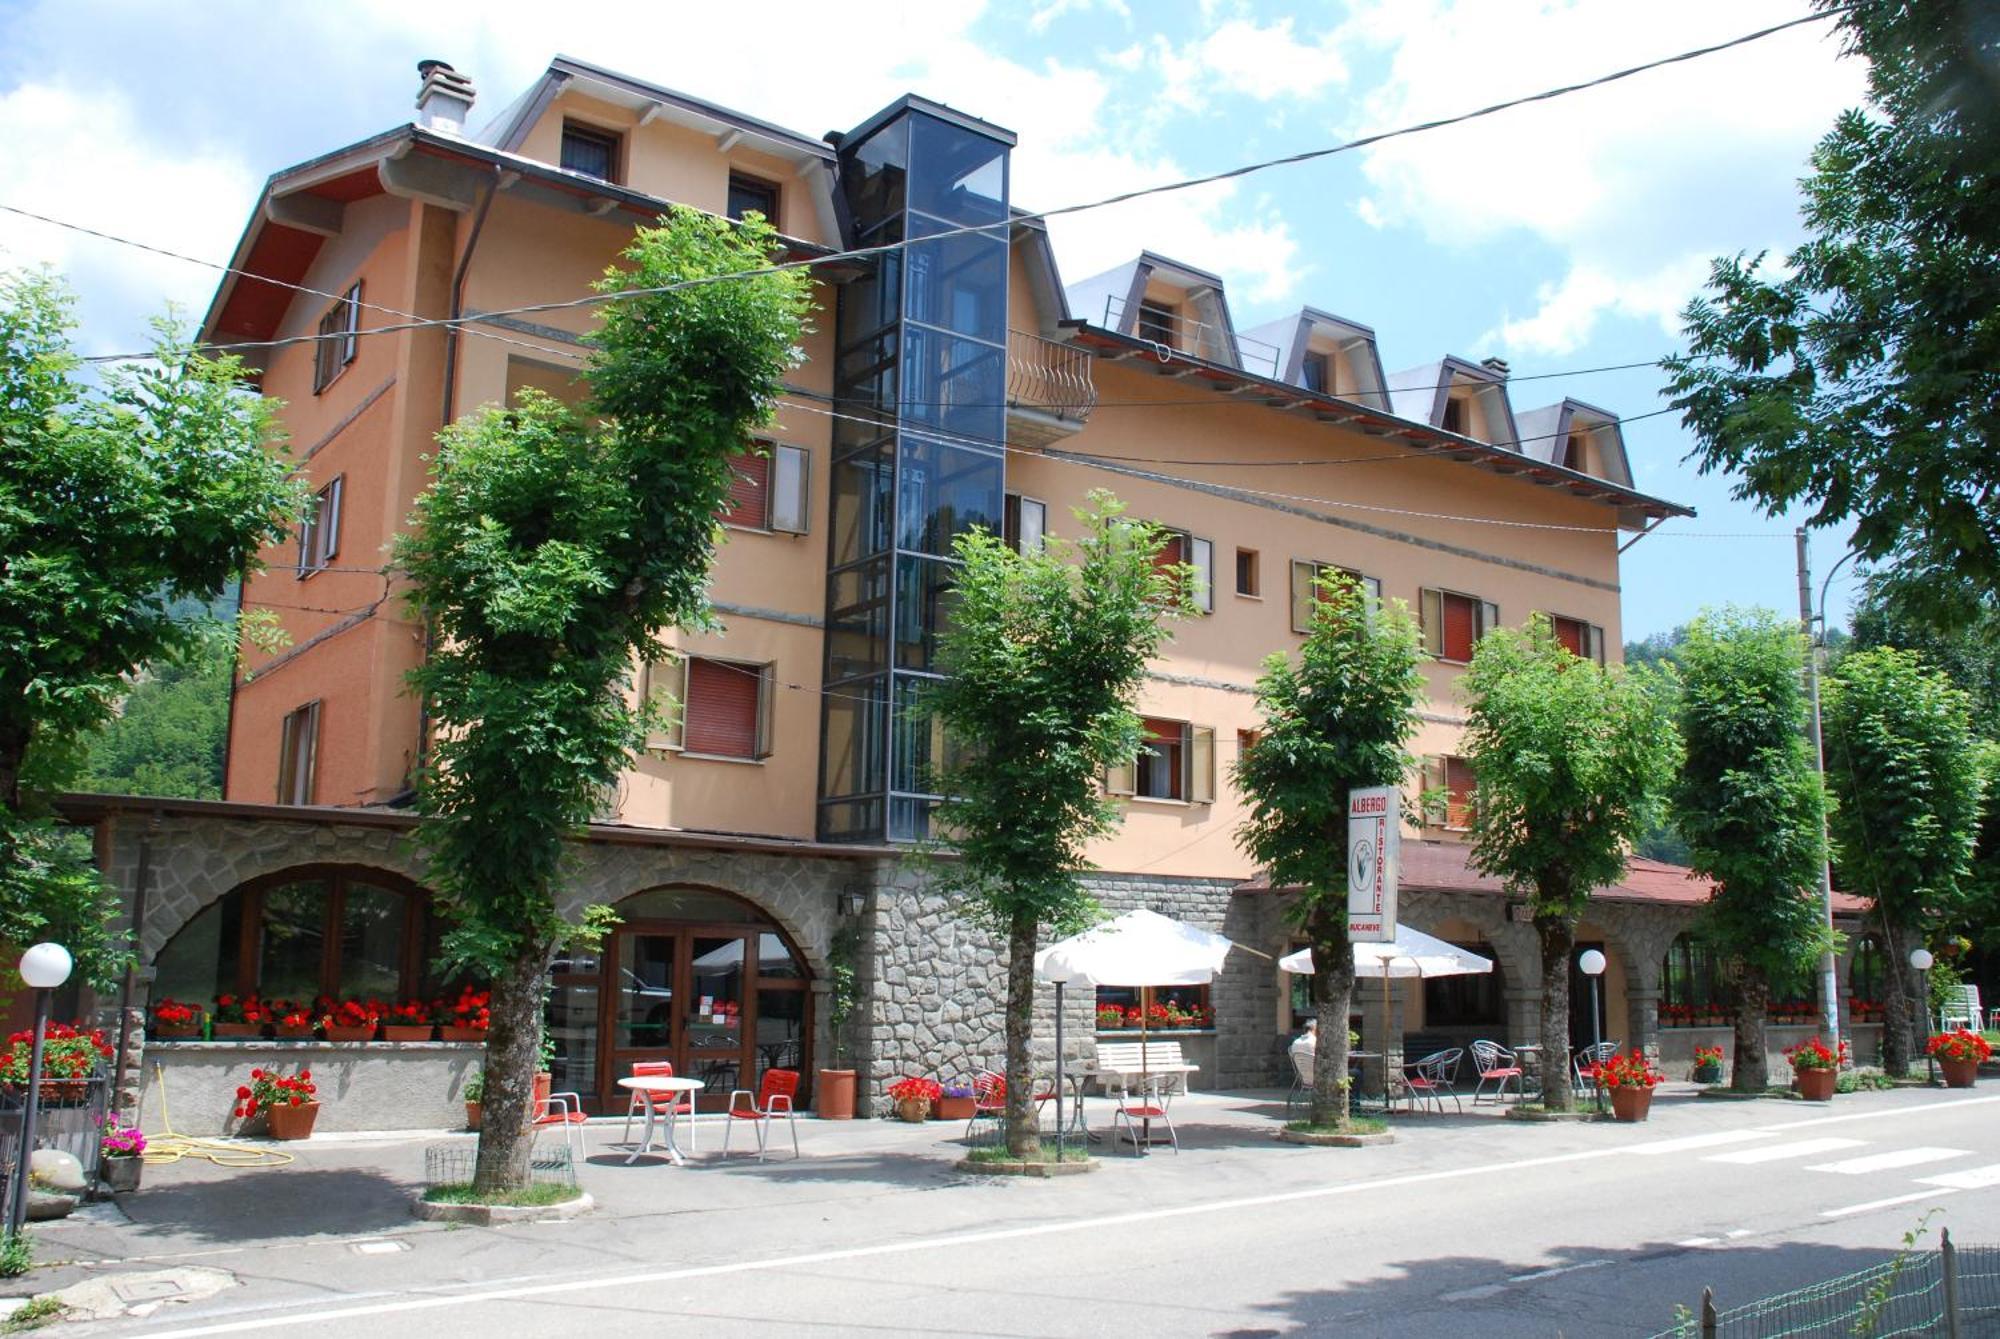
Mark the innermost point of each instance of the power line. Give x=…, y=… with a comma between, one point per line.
x=1003, y=227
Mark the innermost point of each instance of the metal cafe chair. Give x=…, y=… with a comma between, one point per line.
x=1497, y=1065
x=1433, y=1077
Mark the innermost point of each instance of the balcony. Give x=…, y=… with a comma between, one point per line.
x=1049, y=389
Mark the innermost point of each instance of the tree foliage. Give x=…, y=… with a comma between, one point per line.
x=1569, y=759
x=1044, y=654
x=551, y=550
x=169, y=733
x=1863, y=376
x=156, y=483
x=1903, y=770
x=1340, y=719
x=1749, y=803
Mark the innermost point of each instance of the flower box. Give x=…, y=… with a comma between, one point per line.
x=452, y=1032
x=238, y=1030
x=335, y=1032
x=406, y=1032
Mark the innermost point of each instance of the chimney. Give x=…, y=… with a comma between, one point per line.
x=1497, y=366
x=445, y=98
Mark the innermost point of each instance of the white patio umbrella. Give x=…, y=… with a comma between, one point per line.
x=1411, y=954
x=1140, y=948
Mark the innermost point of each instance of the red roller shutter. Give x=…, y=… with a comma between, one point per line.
x=749, y=491
x=1570, y=633
x=1458, y=634
x=721, y=713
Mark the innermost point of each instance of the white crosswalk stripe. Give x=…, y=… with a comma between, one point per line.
x=1699, y=1141
x=1882, y=1162
x=1976, y=1178
x=1803, y=1148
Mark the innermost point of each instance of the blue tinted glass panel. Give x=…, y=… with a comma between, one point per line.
x=956, y=174
x=857, y=622
x=923, y=606
x=857, y=740
x=916, y=739
x=909, y=820
x=959, y=283
x=943, y=491
x=872, y=174
x=955, y=385
x=860, y=505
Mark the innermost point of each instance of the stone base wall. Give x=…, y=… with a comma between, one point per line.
x=1864, y=1042
x=362, y=1085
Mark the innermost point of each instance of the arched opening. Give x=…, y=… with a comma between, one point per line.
x=693, y=976
x=314, y=930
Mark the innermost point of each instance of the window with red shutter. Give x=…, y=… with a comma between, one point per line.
x=1458, y=627
x=721, y=713
x=1570, y=633
x=749, y=491
x=1458, y=786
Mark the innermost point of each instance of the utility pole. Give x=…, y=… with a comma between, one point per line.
x=1829, y=981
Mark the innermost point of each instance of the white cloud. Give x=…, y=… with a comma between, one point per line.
x=1634, y=184
x=1267, y=63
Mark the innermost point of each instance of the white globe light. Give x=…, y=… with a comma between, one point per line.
x=45, y=966
x=1592, y=962
x=1920, y=958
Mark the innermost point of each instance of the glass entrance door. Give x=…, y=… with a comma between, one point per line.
x=718, y=1018
x=640, y=1000
x=680, y=994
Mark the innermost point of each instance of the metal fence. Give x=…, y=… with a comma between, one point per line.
x=549, y=1163
x=1952, y=1291
x=68, y=1117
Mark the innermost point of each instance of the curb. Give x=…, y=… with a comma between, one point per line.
x=1312, y=1140
x=1042, y=1169
x=1552, y=1117
x=492, y=1215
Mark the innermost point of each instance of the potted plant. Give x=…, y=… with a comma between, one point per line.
x=350, y=1020
x=467, y=1017
x=173, y=1019
x=407, y=1021
x=292, y=1020
x=70, y=1055
x=1631, y=1079
x=475, y=1093
x=1814, y=1068
x=1708, y=1064
x=955, y=1102
x=231, y=1017
x=288, y=1103
x=1959, y=1054
x=119, y=1150
x=1109, y=1016
x=834, y=1098
x=913, y=1098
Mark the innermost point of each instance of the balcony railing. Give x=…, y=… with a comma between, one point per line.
x=1050, y=392
x=1198, y=339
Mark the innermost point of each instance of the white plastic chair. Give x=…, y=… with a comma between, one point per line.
x=1962, y=1012
x=1496, y=1065
x=1141, y=1104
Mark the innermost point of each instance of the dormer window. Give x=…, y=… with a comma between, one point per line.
x=748, y=193
x=1157, y=321
x=1454, y=416
x=590, y=151
x=1316, y=373
x=1575, y=453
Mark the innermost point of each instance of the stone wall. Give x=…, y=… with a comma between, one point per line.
x=362, y=1085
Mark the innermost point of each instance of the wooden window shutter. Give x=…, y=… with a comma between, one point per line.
x=1433, y=785
x=766, y=681
x=1305, y=593
x=1489, y=617
x=791, y=489
x=1201, y=764
x=1593, y=642
x=1459, y=786
x=329, y=520
x=309, y=539
x=1201, y=553
x=1373, y=585
x=749, y=489
x=665, y=685
x=719, y=716
x=1122, y=778
x=1431, y=614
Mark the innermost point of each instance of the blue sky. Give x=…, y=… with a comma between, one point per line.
x=1561, y=237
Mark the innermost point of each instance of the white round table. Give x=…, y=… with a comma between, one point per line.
x=648, y=1088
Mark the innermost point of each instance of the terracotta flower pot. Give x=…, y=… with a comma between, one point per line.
x=173, y=1031
x=120, y=1174
x=1959, y=1073
x=954, y=1108
x=286, y=1121
x=1631, y=1104
x=1815, y=1085
x=835, y=1099
x=452, y=1032
x=239, y=1030
x=914, y=1109
x=295, y=1031
x=406, y=1032
x=335, y=1033
x=472, y=1115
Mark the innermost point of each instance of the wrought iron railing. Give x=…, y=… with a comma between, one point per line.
x=1049, y=376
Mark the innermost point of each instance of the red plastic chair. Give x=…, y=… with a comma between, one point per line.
x=772, y=1099
x=566, y=1110
x=989, y=1098
x=666, y=1104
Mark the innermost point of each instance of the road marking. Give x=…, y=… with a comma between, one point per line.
x=1693, y=1242
x=1977, y=1178
x=1920, y=1109
x=1882, y=1162
x=1695, y=1141
x=1804, y=1148
x=1739, y=1232
x=1551, y=1272
x=1884, y=1204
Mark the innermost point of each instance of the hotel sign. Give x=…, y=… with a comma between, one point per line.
x=1374, y=833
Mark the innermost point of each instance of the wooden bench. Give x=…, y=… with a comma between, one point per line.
x=1118, y=1060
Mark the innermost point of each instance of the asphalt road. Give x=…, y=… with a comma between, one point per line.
x=1471, y=1226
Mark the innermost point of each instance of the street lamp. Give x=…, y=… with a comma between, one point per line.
x=1920, y=958
x=1592, y=963
x=43, y=967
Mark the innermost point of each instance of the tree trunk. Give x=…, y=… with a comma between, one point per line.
x=512, y=1057
x=1901, y=1007
x=1024, y=1135
x=1558, y=937
x=1751, y=1072
x=1333, y=987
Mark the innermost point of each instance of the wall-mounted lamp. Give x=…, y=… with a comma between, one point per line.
x=852, y=904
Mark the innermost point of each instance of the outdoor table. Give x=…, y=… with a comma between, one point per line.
x=1530, y=1056
x=1079, y=1078
x=649, y=1087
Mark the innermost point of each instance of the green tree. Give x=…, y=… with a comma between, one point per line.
x=1044, y=656
x=551, y=550
x=168, y=735
x=1894, y=611
x=1340, y=719
x=1748, y=800
x=1569, y=759
x=156, y=483
x=1863, y=377
x=1903, y=772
